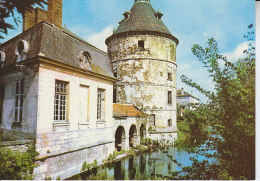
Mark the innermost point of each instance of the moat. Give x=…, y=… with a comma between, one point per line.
x=144, y=166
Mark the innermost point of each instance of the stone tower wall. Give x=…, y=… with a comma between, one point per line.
x=143, y=75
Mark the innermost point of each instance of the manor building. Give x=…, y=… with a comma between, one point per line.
x=79, y=103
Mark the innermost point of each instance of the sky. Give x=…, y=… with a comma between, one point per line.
x=191, y=21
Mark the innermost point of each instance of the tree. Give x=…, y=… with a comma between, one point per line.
x=8, y=8
x=230, y=110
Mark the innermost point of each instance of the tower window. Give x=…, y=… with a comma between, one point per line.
x=152, y=116
x=141, y=44
x=169, y=122
x=169, y=73
x=114, y=94
x=115, y=74
x=169, y=97
x=169, y=76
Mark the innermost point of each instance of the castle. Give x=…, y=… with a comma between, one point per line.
x=79, y=103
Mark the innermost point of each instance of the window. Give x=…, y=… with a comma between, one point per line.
x=170, y=97
x=114, y=94
x=100, y=104
x=169, y=73
x=2, y=94
x=60, y=101
x=115, y=74
x=169, y=122
x=141, y=44
x=83, y=103
x=152, y=116
x=169, y=76
x=19, y=88
x=85, y=60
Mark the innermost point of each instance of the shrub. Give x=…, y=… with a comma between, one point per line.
x=15, y=165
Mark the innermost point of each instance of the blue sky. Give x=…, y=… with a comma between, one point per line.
x=191, y=21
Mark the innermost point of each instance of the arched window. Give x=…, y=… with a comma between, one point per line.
x=21, y=50
x=85, y=60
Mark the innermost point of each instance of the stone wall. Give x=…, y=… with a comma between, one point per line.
x=155, y=47
x=30, y=101
x=69, y=164
x=163, y=137
x=20, y=145
x=146, y=76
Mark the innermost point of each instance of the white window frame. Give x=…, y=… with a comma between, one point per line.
x=61, y=101
x=101, y=104
x=19, y=94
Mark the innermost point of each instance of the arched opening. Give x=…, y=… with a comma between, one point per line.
x=142, y=131
x=132, y=136
x=120, y=138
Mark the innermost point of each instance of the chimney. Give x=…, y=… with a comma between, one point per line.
x=53, y=15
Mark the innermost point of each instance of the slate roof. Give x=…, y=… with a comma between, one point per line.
x=62, y=46
x=125, y=110
x=142, y=18
x=185, y=94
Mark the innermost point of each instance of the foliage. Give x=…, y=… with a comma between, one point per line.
x=230, y=111
x=15, y=165
x=131, y=152
x=191, y=132
x=8, y=9
x=140, y=148
x=87, y=166
x=113, y=156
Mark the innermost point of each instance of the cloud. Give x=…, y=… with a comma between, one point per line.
x=98, y=39
x=237, y=53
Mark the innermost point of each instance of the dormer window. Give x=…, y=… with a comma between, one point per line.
x=141, y=44
x=85, y=60
x=21, y=50
x=158, y=15
x=127, y=15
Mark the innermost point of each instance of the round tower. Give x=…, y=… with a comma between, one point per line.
x=143, y=56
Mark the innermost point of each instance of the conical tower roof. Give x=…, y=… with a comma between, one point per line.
x=142, y=18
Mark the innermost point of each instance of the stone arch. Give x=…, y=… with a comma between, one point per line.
x=120, y=138
x=132, y=136
x=142, y=131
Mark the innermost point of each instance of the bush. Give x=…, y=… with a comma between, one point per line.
x=15, y=165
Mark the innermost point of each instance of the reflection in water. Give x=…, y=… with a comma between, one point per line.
x=140, y=167
x=119, y=175
x=142, y=163
x=131, y=169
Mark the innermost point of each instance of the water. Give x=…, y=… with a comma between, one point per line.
x=144, y=166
